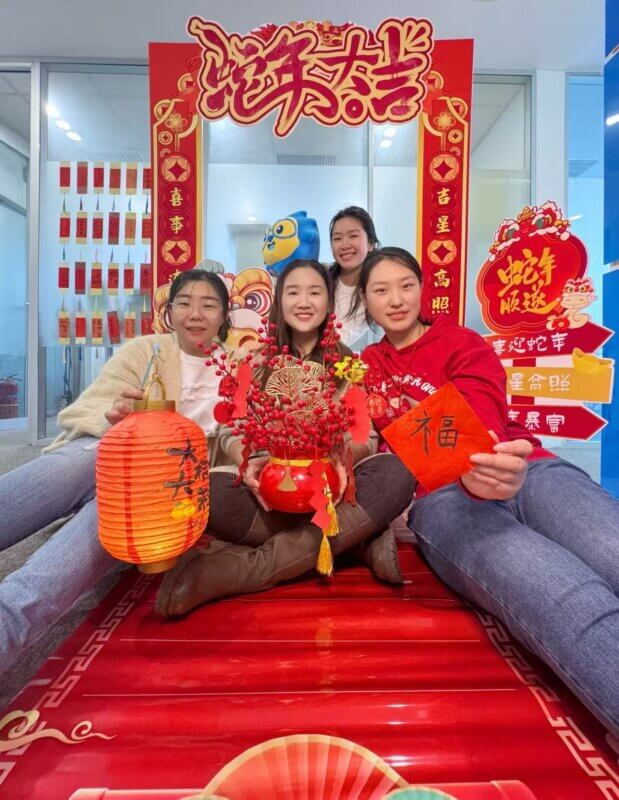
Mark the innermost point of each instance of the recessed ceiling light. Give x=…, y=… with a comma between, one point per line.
x=75, y=137
x=385, y=143
x=613, y=119
x=52, y=111
x=251, y=219
x=64, y=126
x=390, y=131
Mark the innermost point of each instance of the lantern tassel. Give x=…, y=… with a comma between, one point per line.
x=324, y=565
x=350, y=495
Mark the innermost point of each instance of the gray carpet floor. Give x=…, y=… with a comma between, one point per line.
x=18, y=676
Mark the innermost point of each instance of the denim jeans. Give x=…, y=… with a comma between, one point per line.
x=546, y=563
x=70, y=563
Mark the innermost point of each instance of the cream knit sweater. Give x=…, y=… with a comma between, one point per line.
x=126, y=369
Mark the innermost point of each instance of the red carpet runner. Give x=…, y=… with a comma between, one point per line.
x=438, y=692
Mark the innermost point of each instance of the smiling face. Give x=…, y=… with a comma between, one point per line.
x=393, y=297
x=349, y=243
x=196, y=315
x=305, y=300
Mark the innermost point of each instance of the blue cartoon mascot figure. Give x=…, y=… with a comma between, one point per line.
x=294, y=236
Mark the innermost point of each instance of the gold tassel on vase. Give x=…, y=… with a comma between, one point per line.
x=287, y=484
x=324, y=565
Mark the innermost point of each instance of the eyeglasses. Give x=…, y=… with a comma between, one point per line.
x=184, y=307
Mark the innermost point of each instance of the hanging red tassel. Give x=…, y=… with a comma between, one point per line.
x=319, y=500
x=355, y=401
x=350, y=495
x=243, y=378
x=245, y=454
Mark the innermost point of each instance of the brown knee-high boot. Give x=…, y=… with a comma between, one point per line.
x=224, y=570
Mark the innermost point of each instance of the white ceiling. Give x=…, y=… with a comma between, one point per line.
x=509, y=34
x=111, y=113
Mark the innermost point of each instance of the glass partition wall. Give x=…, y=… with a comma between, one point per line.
x=14, y=172
x=98, y=117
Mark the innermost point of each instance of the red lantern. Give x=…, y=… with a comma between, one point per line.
x=152, y=485
x=286, y=484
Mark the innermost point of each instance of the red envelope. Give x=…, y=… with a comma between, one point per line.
x=436, y=439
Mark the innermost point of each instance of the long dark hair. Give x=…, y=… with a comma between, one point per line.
x=367, y=223
x=283, y=332
x=191, y=276
x=374, y=258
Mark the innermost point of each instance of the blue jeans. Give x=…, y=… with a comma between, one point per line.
x=546, y=563
x=69, y=563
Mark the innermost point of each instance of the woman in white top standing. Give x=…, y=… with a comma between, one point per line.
x=353, y=236
x=62, y=482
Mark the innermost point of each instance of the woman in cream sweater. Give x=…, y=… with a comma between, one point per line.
x=62, y=481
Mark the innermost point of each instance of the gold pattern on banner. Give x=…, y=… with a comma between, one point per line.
x=20, y=734
x=64, y=326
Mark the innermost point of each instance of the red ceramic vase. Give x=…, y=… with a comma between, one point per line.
x=286, y=483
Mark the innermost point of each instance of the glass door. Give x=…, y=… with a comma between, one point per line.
x=14, y=148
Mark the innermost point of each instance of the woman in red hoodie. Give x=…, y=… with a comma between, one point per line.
x=527, y=536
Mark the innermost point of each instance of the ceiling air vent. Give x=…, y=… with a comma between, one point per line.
x=577, y=167
x=123, y=156
x=301, y=160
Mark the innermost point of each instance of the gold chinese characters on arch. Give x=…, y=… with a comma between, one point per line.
x=332, y=74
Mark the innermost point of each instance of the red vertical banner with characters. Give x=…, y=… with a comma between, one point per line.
x=176, y=177
x=443, y=179
x=533, y=291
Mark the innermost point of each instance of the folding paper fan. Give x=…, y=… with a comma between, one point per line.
x=419, y=793
x=305, y=767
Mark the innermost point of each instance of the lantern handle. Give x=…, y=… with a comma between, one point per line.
x=154, y=380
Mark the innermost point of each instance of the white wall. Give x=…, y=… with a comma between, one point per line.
x=268, y=192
